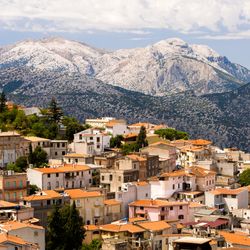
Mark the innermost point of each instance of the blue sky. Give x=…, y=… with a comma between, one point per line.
x=223, y=25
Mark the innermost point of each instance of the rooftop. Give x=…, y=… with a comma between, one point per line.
x=192, y=240
x=235, y=238
x=63, y=168
x=122, y=228
x=13, y=225
x=112, y=202
x=36, y=139
x=157, y=203
x=79, y=193
x=43, y=195
x=219, y=191
x=154, y=225
x=12, y=239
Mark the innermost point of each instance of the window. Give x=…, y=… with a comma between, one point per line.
x=97, y=139
x=73, y=184
x=57, y=174
x=48, y=202
x=173, y=186
x=162, y=209
x=49, y=186
x=14, y=184
x=233, y=196
x=63, y=145
x=90, y=181
x=141, y=208
x=55, y=153
x=181, y=217
x=178, y=185
x=110, y=177
x=162, y=217
x=80, y=183
x=102, y=177
x=98, y=146
x=58, y=145
x=63, y=152
x=35, y=233
x=48, y=175
x=67, y=184
x=180, y=207
x=171, y=208
x=224, y=195
x=77, y=173
x=91, y=138
x=57, y=184
x=119, y=178
x=146, y=194
x=76, y=160
x=20, y=183
x=80, y=137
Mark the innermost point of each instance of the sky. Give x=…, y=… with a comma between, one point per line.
x=224, y=25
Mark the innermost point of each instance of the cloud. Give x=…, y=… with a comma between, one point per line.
x=192, y=16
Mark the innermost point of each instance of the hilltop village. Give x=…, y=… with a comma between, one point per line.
x=135, y=186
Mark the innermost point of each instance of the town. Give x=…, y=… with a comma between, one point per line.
x=133, y=186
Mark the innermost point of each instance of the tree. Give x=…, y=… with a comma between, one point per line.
x=32, y=189
x=65, y=229
x=22, y=163
x=141, y=138
x=38, y=158
x=116, y=142
x=2, y=102
x=245, y=177
x=94, y=245
x=55, y=112
x=13, y=167
x=171, y=134
x=72, y=127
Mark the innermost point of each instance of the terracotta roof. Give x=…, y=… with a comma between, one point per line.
x=112, y=202
x=140, y=183
x=91, y=227
x=154, y=225
x=136, y=157
x=79, y=193
x=201, y=142
x=115, y=122
x=140, y=124
x=43, y=195
x=134, y=219
x=13, y=225
x=131, y=135
x=7, y=204
x=36, y=139
x=76, y=155
x=219, y=191
x=122, y=228
x=157, y=203
x=235, y=238
x=64, y=168
x=13, y=239
x=196, y=204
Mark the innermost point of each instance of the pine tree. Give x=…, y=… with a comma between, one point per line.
x=141, y=138
x=74, y=229
x=55, y=112
x=56, y=233
x=2, y=102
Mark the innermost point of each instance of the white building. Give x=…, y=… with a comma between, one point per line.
x=117, y=127
x=90, y=141
x=65, y=176
x=99, y=122
x=228, y=199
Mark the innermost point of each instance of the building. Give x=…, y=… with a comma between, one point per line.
x=12, y=146
x=43, y=203
x=116, y=127
x=8, y=242
x=89, y=204
x=58, y=149
x=112, y=210
x=26, y=231
x=155, y=210
x=41, y=142
x=62, y=176
x=99, y=122
x=13, y=186
x=227, y=199
x=90, y=141
x=80, y=159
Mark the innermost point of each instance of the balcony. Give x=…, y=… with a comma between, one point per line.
x=14, y=188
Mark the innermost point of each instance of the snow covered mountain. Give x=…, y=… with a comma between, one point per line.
x=169, y=66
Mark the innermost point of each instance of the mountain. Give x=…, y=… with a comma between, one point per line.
x=31, y=72
x=167, y=67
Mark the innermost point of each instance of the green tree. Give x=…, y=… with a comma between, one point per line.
x=142, y=138
x=65, y=229
x=13, y=167
x=22, y=163
x=94, y=245
x=38, y=157
x=32, y=189
x=128, y=148
x=116, y=142
x=2, y=102
x=55, y=112
x=172, y=134
x=244, y=178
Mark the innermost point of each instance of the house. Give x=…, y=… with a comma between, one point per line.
x=90, y=141
x=80, y=159
x=26, y=231
x=135, y=128
x=116, y=127
x=43, y=203
x=58, y=148
x=167, y=155
x=235, y=240
x=12, y=242
x=193, y=243
x=99, y=122
x=62, y=176
x=89, y=204
x=155, y=210
x=13, y=186
x=41, y=142
x=13, y=211
x=112, y=210
x=227, y=199
x=12, y=146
